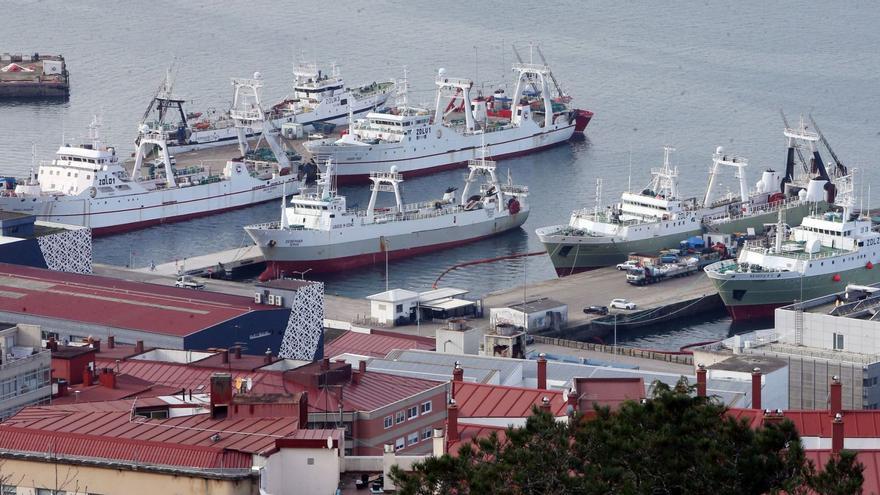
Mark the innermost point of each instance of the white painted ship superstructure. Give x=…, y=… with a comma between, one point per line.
x=87, y=184
x=419, y=141
x=821, y=256
x=317, y=232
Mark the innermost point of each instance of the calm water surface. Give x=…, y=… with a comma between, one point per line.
x=694, y=76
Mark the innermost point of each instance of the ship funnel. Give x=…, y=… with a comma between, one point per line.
x=816, y=190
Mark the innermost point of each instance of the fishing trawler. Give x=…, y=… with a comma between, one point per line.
x=86, y=184
x=419, y=141
x=822, y=256
x=318, y=233
x=318, y=97
x=656, y=218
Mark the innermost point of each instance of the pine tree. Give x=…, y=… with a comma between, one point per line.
x=674, y=443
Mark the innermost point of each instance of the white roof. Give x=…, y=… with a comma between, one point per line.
x=394, y=295
x=444, y=293
x=448, y=304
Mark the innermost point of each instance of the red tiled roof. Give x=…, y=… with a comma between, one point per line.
x=375, y=390
x=479, y=400
x=869, y=458
x=126, y=386
x=374, y=344
x=116, y=303
x=856, y=424
x=469, y=433
x=182, y=441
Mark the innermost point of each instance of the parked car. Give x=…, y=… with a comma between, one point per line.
x=596, y=310
x=626, y=265
x=622, y=304
x=186, y=282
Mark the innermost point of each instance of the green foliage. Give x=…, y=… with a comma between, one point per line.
x=674, y=443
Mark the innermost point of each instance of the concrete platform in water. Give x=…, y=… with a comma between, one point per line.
x=599, y=287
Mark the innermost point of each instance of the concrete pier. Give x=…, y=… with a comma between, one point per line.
x=599, y=287
x=212, y=264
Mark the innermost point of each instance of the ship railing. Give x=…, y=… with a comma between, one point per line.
x=394, y=216
x=766, y=208
x=604, y=217
x=758, y=247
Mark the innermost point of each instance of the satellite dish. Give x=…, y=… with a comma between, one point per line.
x=329, y=442
x=258, y=75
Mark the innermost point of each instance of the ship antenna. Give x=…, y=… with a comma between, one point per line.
x=629, y=178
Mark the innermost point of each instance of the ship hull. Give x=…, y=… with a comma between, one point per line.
x=571, y=255
x=34, y=90
x=321, y=252
x=115, y=214
x=752, y=296
x=212, y=138
x=445, y=149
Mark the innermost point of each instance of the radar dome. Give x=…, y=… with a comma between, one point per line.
x=258, y=75
x=394, y=169
x=144, y=128
x=719, y=150
x=441, y=72
x=802, y=194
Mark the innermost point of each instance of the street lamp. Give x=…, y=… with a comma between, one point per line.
x=301, y=274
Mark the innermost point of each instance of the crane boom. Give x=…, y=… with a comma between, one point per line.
x=552, y=77
x=840, y=167
x=518, y=58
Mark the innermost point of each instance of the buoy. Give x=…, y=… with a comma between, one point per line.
x=869, y=266
x=836, y=277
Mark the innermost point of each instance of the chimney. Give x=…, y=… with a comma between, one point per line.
x=438, y=442
x=269, y=356
x=545, y=404
x=836, y=396
x=452, y=421
x=87, y=377
x=224, y=356
x=111, y=342
x=107, y=378
x=355, y=377
x=62, y=387
x=701, y=380
x=756, y=388
x=139, y=347
x=837, y=434
x=325, y=363
x=303, y=410
x=236, y=351
x=362, y=366
x=775, y=417
x=458, y=373
x=221, y=394
x=96, y=345
x=572, y=401
x=542, y=371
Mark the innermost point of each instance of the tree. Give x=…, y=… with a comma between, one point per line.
x=674, y=443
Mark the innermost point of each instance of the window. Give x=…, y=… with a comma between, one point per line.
x=428, y=433
x=399, y=444
x=426, y=407
x=413, y=438
x=400, y=417
x=412, y=412
x=400, y=308
x=8, y=490
x=389, y=421
x=838, y=341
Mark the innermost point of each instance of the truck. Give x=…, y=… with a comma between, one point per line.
x=651, y=274
x=187, y=282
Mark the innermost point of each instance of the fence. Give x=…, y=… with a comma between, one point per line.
x=680, y=357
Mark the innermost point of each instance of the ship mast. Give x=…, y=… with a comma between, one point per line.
x=722, y=159
x=665, y=179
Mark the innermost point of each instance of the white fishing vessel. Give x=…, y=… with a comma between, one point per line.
x=86, y=184
x=822, y=256
x=420, y=141
x=322, y=98
x=318, y=98
x=318, y=233
x=656, y=218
